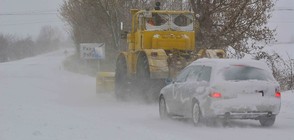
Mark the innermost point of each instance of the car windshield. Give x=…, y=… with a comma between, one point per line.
x=178, y=22
x=241, y=73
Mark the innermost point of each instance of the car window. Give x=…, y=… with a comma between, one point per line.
x=194, y=73
x=183, y=75
x=205, y=74
x=242, y=72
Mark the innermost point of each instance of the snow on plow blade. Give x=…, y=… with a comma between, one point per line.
x=105, y=82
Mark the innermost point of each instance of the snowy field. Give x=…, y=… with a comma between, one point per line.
x=39, y=100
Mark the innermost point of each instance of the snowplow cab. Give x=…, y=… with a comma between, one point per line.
x=162, y=37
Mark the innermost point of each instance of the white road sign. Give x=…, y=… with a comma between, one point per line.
x=92, y=50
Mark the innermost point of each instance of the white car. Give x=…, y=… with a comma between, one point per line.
x=222, y=88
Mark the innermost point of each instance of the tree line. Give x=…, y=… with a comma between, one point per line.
x=14, y=48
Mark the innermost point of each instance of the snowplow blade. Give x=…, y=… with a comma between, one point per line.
x=105, y=82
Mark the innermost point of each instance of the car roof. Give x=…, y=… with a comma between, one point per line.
x=227, y=62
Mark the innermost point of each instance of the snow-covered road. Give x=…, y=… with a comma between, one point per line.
x=39, y=100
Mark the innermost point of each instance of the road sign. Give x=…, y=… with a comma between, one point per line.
x=92, y=50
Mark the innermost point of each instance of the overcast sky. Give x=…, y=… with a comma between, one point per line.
x=283, y=20
x=26, y=17
x=16, y=17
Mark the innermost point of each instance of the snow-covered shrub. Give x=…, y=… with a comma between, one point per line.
x=283, y=69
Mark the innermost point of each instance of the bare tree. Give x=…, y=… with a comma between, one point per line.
x=238, y=24
x=289, y=63
x=282, y=68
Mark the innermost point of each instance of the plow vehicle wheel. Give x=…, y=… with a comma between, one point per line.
x=121, y=79
x=147, y=87
x=143, y=76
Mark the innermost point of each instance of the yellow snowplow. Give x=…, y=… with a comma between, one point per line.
x=160, y=44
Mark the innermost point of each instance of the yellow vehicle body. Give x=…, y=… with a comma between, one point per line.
x=157, y=42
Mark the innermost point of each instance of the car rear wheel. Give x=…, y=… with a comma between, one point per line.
x=196, y=114
x=267, y=121
x=162, y=109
